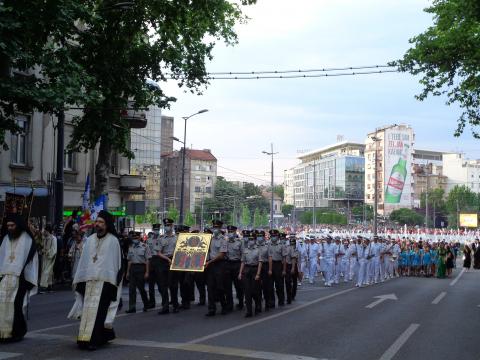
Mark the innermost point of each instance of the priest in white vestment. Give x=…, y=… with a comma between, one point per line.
x=18, y=277
x=97, y=284
x=49, y=253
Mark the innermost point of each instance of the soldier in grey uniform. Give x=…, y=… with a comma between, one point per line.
x=264, y=277
x=250, y=270
x=154, y=275
x=215, y=268
x=277, y=267
x=232, y=268
x=292, y=273
x=168, y=279
x=185, y=279
x=137, y=271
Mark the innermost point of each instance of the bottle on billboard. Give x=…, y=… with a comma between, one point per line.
x=396, y=182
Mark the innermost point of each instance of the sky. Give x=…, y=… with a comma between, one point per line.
x=246, y=116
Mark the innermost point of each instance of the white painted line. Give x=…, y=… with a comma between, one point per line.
x=439, y=298
x=402, y=339
x=209, y=349
x=381, y=299
x=218, y=350
x=457, y=278
x=77, y=323
x=273, y=316
x=7, y=355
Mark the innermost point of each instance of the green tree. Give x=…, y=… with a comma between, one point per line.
x=39, y=34
x=120, y=48
x=287, y=209
x=323, y=217
x=406, y=216
x=189, y=219
x=246, y=216
x=460, y=199
x=264, y=218
x=446, y=56
x=173, y=213
x=257, y=218
x=279, y=191
x=357, y=212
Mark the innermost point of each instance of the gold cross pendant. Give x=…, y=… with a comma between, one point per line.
x=12, y=257
x=95, y=258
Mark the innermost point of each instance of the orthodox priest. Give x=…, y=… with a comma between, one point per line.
x=97, y=283
x=18, y=277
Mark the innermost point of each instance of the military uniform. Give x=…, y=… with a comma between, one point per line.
x=264, y=277
x=215, y=271
x=277, y=269
x=138, y=257
x=154, y=274
x=232, y=268
x=251, y=276
x=168, y=278
x=291, y=274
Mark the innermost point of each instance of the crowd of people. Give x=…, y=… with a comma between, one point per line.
x=264, y=267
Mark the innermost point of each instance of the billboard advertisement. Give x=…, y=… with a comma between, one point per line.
x=398, y=150
x=469, y=220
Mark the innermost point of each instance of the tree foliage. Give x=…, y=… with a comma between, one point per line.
x=173, y=213
x=98, y=55
x=323, y=217
x=358, y=212
x=446, y=56
x=287, y=209
x=37, y=71
x=246, y=216
x=406, y=216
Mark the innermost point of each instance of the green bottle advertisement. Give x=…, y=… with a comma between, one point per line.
x=396, y=182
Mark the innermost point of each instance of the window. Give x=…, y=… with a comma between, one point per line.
x=208, y=190
x=114, y=163
x=19, y=142
x=197, y=178
x=198, y=189
x=68, y=161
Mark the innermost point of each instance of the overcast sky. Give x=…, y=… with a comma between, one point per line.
x=245, y=116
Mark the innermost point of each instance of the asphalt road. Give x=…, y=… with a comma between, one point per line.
x=404, y=318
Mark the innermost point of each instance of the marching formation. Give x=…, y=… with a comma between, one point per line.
x=264, y=268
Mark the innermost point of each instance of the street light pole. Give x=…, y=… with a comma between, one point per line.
x=182, y=185
x=375, y=207
x=271, y=153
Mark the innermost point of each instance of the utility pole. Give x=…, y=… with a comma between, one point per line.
x=271, y=153
x=375, y=207
x=426, y=199
x=314, y=216
x=59, y=176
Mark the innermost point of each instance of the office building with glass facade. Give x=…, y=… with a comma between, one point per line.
x=148, y=145
x=333, y=176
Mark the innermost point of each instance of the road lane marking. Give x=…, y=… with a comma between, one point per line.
x=402, y=339
x=218, y=350
x=439, y=298
x=8, y=355
x=381, y=299
x=77, y=323
x=263, y=319
x=457, y=278
x=209, y=349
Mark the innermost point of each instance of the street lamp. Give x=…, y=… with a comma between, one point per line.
x=375, y=206
x=182, y=186
x=271, y=153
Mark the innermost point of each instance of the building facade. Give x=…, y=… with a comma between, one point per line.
x=148, y=145
x=461, y=171
x=332, y=176
x=200, y=178
x=31, y=161
x=389, y=151
x=427, y=172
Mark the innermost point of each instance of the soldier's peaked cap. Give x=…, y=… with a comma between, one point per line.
x=168, y=221
x=217, y=223
x=231, y=228
x=274, y=232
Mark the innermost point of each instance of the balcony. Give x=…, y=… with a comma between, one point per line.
x=132, y=184
x=137, y=119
